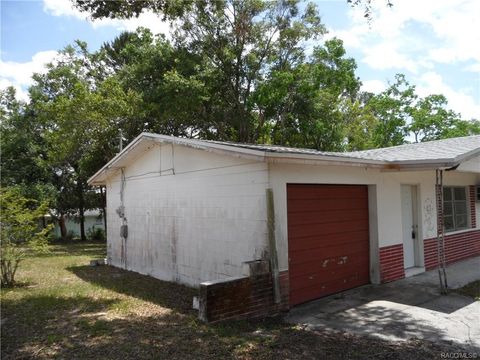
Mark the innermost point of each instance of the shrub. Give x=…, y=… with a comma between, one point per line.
x=96, y=234
x=20, y=231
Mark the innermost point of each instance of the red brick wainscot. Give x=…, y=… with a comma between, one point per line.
x=243, y=297
x=458, y=247
x=391, y=263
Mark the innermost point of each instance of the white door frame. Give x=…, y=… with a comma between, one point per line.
x=414, y=227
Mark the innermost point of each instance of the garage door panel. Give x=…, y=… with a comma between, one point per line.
x=302, y=218
x=347, y=253
x=302, y=274
x=311, y=205
x=318, y=280
x=328, y=239
x=326, y=288
x=323, y=230
x=314, y=192
x=314, y=241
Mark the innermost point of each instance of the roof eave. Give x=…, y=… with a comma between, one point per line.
x=100, y=177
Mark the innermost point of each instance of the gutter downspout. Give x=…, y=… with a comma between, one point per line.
x=442, y=274
x=273, y=246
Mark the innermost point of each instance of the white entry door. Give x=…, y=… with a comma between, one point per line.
x=409, y=197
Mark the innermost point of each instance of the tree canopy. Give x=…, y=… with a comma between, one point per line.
x=248, y=71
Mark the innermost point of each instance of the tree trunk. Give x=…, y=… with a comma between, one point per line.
x=81, y=211
x=63, y=227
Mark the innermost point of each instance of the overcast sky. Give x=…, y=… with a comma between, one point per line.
x=435, y=43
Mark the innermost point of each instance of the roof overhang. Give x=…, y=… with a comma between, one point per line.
x=146, y=141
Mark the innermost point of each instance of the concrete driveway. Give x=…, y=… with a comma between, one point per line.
x=408, y=308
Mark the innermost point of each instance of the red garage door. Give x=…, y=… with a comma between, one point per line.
x=327, y=239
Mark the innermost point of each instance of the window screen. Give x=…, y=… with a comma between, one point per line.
x=455, y=213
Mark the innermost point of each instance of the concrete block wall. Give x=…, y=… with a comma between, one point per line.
x=193, y=216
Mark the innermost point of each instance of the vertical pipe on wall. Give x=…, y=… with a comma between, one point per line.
x=442, y=274
x=272, y=245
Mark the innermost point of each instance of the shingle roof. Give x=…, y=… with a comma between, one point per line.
x=444, y=150
x=431, y=150
x=433, y=154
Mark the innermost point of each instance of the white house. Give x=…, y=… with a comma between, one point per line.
x=93, y=220
x=299, y=223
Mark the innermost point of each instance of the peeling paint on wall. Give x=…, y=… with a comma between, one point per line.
x=202, y=223
x=173, y=248
x=429, y=217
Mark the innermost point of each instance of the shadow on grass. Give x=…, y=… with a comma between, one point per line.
x=163, y=293
x=78, y=327
x=70, y=333
x=36, y=320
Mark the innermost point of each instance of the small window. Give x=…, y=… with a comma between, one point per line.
x=455, y=210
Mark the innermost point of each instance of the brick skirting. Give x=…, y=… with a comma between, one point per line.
x=457, y=247
x=391, y=263
x=243, y=297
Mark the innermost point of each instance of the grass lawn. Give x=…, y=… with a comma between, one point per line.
x=472, y=290
x=64, y=308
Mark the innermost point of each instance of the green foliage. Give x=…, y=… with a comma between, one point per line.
x=96, y=234
x=233, y=70
x=392, y=108
x=128, y=8
x=20, y=231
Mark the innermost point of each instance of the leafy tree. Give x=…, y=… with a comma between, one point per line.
x=22, y=160
x=459, y=127
x=20, y=230
x=240, y=42
x=367, y=6
x=400, y=112
x=133, y=8
x=361, y=125
x=129, y=8
x=432, y=120
x=222, y=50
x=392, y=108
x=81, y=109
x=166, y=79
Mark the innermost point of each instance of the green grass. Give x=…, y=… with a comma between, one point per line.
x=66, y=309
x=472, y=290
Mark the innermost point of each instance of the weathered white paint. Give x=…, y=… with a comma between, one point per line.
x=196, y=215
x=200, y=224
x=471, y=165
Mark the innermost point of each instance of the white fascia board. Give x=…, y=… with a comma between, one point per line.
x=278, y=157
x=212, y=147
x=100, y=176
x=314, y=159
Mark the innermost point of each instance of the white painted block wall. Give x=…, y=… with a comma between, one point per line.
x=192, y=215
x=195, y=216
